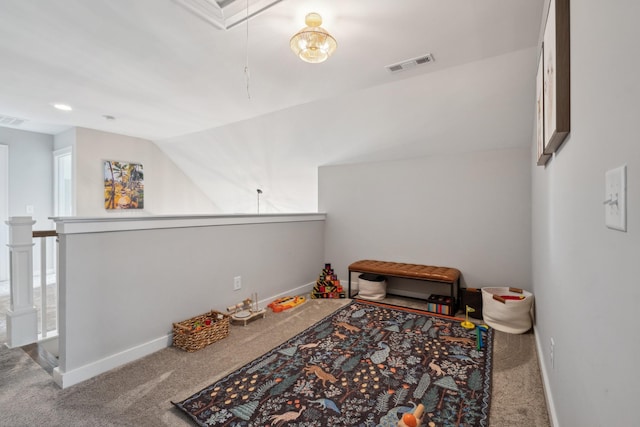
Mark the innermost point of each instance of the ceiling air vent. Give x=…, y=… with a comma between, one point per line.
x=10, y=121
x=410, y=63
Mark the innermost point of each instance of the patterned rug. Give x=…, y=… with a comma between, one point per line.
x=364, y=365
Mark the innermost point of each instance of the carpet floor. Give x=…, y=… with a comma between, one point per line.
x=366, y=364
x=140, y=393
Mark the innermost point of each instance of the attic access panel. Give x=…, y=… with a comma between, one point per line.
x=226, y=14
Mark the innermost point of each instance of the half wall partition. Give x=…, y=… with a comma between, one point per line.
x=123, y=281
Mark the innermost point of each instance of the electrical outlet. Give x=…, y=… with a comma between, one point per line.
x=552, y=344
x=237, y=283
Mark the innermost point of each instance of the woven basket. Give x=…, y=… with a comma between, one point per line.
x=189, y=338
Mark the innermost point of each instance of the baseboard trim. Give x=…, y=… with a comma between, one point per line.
x=90, y=370
x=548, y=396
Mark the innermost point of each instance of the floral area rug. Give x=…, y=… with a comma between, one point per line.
x=364, y=365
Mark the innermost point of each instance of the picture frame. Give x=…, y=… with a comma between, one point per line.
x=556, y=79
x=123, y=185
x=543, y=158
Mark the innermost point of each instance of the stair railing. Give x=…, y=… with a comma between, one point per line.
x=43, y=235
x=22, y=316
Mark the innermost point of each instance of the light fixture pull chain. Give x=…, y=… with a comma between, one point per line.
x=246, y=67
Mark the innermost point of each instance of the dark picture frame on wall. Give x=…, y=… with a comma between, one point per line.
x=556, y=76
x=542, y=157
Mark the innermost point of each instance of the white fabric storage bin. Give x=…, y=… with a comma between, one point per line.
x=512, y=316
x=372, y=287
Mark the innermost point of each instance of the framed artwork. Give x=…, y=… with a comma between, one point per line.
x=123, y=185
x=556, y=79
x=543, y=158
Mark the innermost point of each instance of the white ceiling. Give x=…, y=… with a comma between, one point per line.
x=171, y=77
x=163, y=72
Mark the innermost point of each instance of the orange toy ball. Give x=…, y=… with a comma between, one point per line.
x=410, y=420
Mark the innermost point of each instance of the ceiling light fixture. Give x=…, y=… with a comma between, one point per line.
x=62, y=107
x=313, y=43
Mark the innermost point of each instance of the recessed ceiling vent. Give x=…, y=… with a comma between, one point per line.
x=410, y=63
x=10, y=121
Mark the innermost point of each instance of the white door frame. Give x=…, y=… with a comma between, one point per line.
x=57, y=209
x=4, y=212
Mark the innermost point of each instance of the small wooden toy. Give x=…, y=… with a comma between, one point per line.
x=504, y=298
x=286, y=303
x=412, y=419
x=479, y=330
x=466, y=324
x=246, y=310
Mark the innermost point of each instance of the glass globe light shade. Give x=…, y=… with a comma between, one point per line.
x=313, y=43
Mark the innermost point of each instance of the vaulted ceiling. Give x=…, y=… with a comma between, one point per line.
x=167, y=74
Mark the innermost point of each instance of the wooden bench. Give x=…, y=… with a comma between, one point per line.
x=445, y=275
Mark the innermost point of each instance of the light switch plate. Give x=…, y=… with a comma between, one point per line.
x=615, y=198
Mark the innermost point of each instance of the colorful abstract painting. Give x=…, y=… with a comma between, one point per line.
x=123, y=185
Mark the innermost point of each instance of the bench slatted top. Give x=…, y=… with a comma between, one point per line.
x=408, y=271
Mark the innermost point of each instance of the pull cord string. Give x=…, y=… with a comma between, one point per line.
x=246, y=67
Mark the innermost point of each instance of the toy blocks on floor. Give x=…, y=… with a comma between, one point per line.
x=328, y=285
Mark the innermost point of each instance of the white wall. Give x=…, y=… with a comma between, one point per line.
x=121, y=291
x=584, y=274
x=480, y=105
x=470, y=211
x=167, y=190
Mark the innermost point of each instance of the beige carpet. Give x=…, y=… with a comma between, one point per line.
x=140, y=393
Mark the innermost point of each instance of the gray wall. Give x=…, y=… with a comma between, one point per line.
x=65, y=139
x=471, y=211
x=121, y=290
x=30, y=184
x=585, y=276
x=30, y=174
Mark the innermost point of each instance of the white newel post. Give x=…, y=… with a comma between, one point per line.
x=22, y=317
